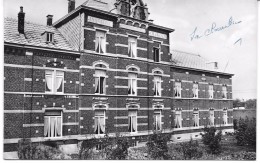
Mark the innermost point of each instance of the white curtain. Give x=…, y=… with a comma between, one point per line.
x=96, y=125
x=52, y=126
x=210, y=91
x=178, y=119
x=49, y=80
x=100, y=42
x=224, y=90
x=212, y=117
x=132, y=83
x=99, y=122
x=196, y=119
x=59, y=126
x=132, y=50
x=134, y=123
x=225, y=117
x=100, y=83
x=195, y=90
x=96, y=84
x=46, y=126
x=59, y=81
x=102, y=125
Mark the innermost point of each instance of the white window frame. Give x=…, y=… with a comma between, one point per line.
x=100, y=73
x=54, y=74
x=195, y=90
x=157, y=86
x=196, y=118
x=98, y=117
x=179, y=117
x=159, y=53
x=224, y=92
x=177, y=89
x=211, y=91
x=225, y=117
x=211, y=117
x=49, y=37
x=49, y=125
x=100, y=43
x=132, y=84
x=132, y=47
x=157, y=117
x=131, y=115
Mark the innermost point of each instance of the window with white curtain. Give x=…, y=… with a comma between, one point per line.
x=157, y=86
x=211, y=91
x=132, y=121
x=100, y=41
x=99, y=126
x=53, y=124
x=195, y=90
x=224, y=92
x=211, y=117
x=100, y=82
x=225, y=117
x=54, y=81
x=132, y=84
x=177, y=89
x=157, y=120
x=195, y=118
x=156, y=52
x=132, y=47
x=178, y=120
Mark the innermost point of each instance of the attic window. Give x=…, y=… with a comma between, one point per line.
x=49, y=37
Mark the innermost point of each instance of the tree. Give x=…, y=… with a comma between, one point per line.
x=251, y=104
x=211, y=138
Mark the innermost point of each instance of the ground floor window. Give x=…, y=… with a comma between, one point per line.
x=225, y=117
x=211, y=117
x=132, y=121
x=196, y=118
x=99, y=122
x=52, y=124
x=157, y=120
x=178, y=119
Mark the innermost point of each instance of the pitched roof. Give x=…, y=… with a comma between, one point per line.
x=104, y=5
x=194, y=61
x=33, y=35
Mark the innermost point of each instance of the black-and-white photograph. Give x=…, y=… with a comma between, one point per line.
x=129, y=79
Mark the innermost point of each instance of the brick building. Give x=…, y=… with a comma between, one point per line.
x=105, y=68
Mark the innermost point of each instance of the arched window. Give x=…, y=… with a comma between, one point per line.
x=157, y=81
x=132, y=79
x=100, y=77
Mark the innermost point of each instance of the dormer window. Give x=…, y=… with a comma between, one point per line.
x=49, y=36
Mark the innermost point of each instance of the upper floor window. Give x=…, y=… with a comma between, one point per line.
x=195, y=90
x=157, y=120
x=132, y=121
x=52, y=124
x=156, y=52
x=177, y=89
x=100, y=41
x=99, y=126
x=211, y=91
x=132, y=47
x=211, y=117
x=100, y=81
x=224, y=92
x=196, y=118
x=54, y=81
x=132, y=84
x=49, y=37
x=178, y=119
x=157, y=86
x=225, y=117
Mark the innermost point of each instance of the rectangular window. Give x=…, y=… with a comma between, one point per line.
x=211, y=117
x=52, y=124
x=99, y=122
x=132, y=47
x=225, y=117
x=178, y=120
x=224, y=92
x=157, y=120
x=177, y=89
x=156, y=52
x=49, y=37
x=100, y=82
x=211, y=91
x=157, y=86
x=195, y=90
x=100, y=41
x=196, y=118
x=132, y=121
x=54, y=81
x=132, y=84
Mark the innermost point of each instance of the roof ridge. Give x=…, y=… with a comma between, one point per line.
x=187, y=53
x=28, y=22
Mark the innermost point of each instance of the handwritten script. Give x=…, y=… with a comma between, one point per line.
x=213, y=29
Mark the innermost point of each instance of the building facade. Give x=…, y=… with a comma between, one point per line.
x=104, y=68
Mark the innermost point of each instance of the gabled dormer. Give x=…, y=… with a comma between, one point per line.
x=48, y=37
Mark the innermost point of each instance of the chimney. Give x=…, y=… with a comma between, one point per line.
x=49, y=20
x=71, y=5
x=21, y=15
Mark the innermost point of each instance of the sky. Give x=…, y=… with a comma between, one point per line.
x=234, y=47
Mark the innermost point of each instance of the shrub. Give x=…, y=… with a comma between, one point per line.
x=190, y=150
x=157, y=146
x=241, y=156
x=211, y=138
x=246, y=132
x=120, y=152
x=29, y=151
